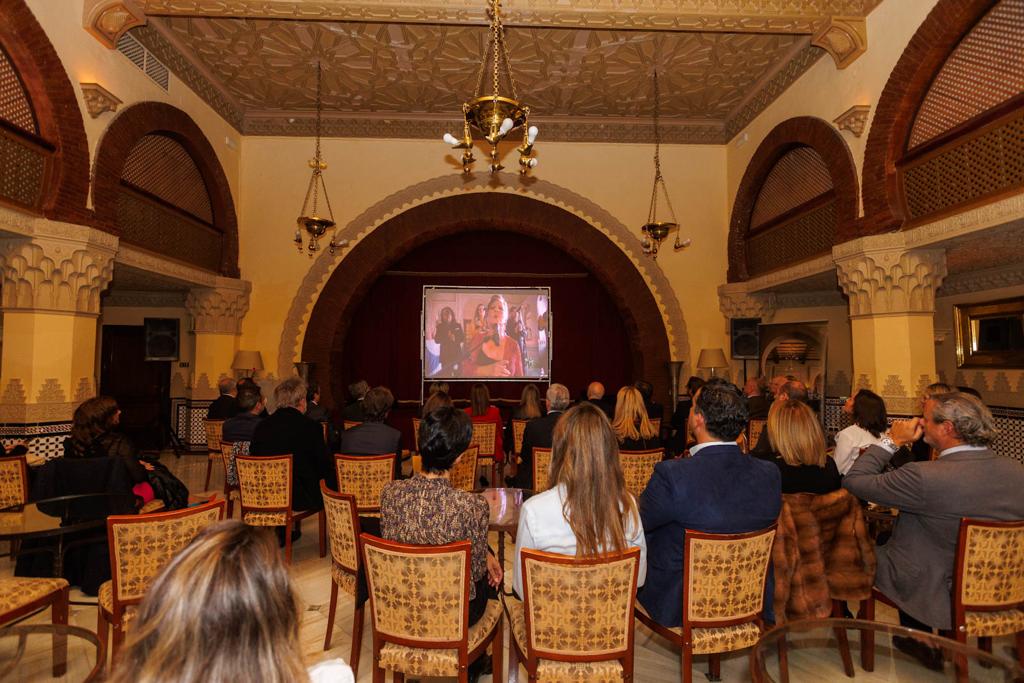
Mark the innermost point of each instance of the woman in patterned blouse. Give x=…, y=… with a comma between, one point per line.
x=426, y=510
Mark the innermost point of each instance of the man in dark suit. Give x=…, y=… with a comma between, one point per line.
x=757, y=403
x=596, y=395
x=915, y=567
x=538, y=434
x=718, y=490
x=373, y=437
x=654, y=409
x=225, y=405
x=353, y=412
x=288, y=430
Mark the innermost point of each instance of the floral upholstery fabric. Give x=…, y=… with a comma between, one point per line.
x=265, y=483
x=463, y=473
x=484, y=437
x=993, y=566
x=998, y=623
x=578, y=610
x=637, y=467
x=551, y=670
x=417, y=661
x=214, y=431
x=228, y=453
x=141, y=549
x=365, y=477
x=345, y=580
x=541, y=468
x=719, y=639
x=754, y=429
x=341, y=533
x=12, y=482
x=727, y=577
x=105, y=599
x=518, y=429
x=265, y=518
x=16, y=592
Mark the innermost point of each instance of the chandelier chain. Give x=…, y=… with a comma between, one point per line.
x=659, y=179
x=317, y=165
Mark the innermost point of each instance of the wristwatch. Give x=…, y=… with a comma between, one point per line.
x=887, y=443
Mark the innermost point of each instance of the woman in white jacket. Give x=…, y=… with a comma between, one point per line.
x=869, y=423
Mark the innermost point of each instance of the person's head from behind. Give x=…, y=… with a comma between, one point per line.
x=93, y=417
x=250, y=400
x=377, y=403
x=796, y=434
x=438, y=399
x=222, y=610
x=595, y=391
x=291, y=393
x=957, y=418
x=357, y=390
x=585, y=460
x=479, y=399
x=529, y=400
x=444, y=434
x=776, y=384
x=645, y=388
x=933, y=390
x=719, y=412
x=557, y=397
x=792, y=390
x=313, y=393
x=868, y=412
x=750, y=387
x=693, y=385
x=226, y=386
x=631, y=421
x=438, y=386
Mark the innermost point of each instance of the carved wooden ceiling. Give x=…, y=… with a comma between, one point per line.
x=396, y=70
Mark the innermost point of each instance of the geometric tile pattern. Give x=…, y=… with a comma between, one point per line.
x=44, y=439
x=190, y=422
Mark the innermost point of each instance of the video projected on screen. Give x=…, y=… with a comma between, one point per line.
x=486, y=332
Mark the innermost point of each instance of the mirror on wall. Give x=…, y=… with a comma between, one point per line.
x=990, y=334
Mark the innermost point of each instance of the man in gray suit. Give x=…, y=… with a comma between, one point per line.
x=915, y=567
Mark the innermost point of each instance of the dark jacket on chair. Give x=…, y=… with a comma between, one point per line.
x=289, y=431
x=223, y=407
x=371, y=438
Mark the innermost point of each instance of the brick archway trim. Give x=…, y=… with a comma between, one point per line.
x=147, y=118
x=802, y=130
x=394, y=226
x=56, y=108
x=936, y=38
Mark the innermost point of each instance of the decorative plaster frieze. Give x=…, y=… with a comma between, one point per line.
x=187, y=275
x=967, y=222
x=880, y=276
x=894, y=386
x=839, y=384
x=799, y=271
x=854, y=119
x=51, y=392
x=982, y=280
x=84, y=390
x=219, y=310
x=735, y=301
x=30, y=413
x=122, y=298
x=844, y=38
x=812, y=299
x=863, y=382
x=108, y=20
x=98, y=99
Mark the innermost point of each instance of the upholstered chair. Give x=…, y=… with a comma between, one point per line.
x=638, y=466
x=21, y=596
x=463, y=472
x=343, y=533
x=484, y=436
x=656, y=421
x=723, y=596
x=214, y=431
x=754, y=429
x=575, y=622
x=419, y=601
x=365, y=476
x=416, y=434
x=518, y=429
x=13, y=486
x=228, y=452
x=541, y=468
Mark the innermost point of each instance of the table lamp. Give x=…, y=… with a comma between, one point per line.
x=247, y=361
x=712, y=358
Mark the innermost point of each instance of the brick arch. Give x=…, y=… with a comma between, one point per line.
x=936, y=38
x=56, y=108
x=147, y=118
x=800, y=131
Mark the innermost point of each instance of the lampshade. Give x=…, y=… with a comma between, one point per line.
x=712, y=358
x=248, y=360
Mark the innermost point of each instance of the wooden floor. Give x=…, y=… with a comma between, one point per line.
x=654, y=659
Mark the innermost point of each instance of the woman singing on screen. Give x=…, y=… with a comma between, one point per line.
x=449, y=336
x=491, y=352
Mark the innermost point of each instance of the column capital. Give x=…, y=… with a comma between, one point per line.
x=56, y=267
x=734, y=301
x=881, y=275
x=219, y=309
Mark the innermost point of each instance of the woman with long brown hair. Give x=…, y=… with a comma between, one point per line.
x=222, y=610
x=587, y=510
x=632, y=427
x=480, y=410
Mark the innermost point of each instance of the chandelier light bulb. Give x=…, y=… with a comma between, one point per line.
x=532, y=163
x=506, y=126
x=531, y=135
x=685, y=243
x=450, y=139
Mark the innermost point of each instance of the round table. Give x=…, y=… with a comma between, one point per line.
x=809, y=650
x=72, y=645
x=504, y=505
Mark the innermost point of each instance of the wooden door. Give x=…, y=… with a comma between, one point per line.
x=142, y=388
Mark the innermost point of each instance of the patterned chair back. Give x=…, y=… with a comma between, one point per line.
x=656, y=421
x=349, y=424
x=541, y=468
x=229, y=450
x=463, y=474
x=364, y=476
x=265, y=488
x=418, y=593
x=724, y=577
x=214, y=432
x=638, y=466
x=518, y=428
x=484, y=437
x=13, y=481
x=556, y=587
x=988, y=582
x=754, y=429
x=343, y=532
x=140, y=545
x=416, y=433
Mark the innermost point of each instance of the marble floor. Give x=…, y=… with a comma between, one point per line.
x=654, y=659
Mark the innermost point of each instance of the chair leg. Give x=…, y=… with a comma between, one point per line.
x=231, y=504
x=497, y=645
x=1020, y=648
x=714, y=667
x=357, y=639
x=985, y=645
x=117, y=641
x=60, y=641
x=513, y=660
x=332, y=607
x=209, y=471
x=842, y=640
x=322, y=521
x=959, y=660
x=378, y=673
x=783, y=649
x=288, y=544
x=867, y=636
x=103, y=631
x=687, y=663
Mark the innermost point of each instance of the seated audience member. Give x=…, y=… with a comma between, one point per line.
x=789, y=390
x=680, y=438
x=480, y=410
x=435, y=387
x=353, y=412
x=373, y=437
x=587, y=510
x=437, y=399
x=539, y=433
x=222, y=610
x=529, y=404
x=654, y=409
x=915, y=566
x=717, y=490
x=596, y=395
x=800, y=450
x=225, y=405
x=919, y=451
x=792, y=390
x=972, y=391
x=288, y=430
x=242, y=426
x=426, y=510
x=869, y=423
x=633, y=428
x=315, y=411
x=757, y=403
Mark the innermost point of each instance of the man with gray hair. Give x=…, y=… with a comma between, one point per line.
x=538, y=434
x=915, y=567
x=225, y=405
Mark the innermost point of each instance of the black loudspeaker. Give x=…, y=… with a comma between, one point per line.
x=745, y=344
x=161, y=338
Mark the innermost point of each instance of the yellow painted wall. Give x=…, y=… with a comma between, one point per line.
x=41, y=348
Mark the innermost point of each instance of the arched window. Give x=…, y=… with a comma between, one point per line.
x=24, y=154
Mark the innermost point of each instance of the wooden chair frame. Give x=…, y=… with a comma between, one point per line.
x=625, y=455
x=540, y=483
x=685, y=639
x=416, y=434
x=214, y=432
x=470, y=453
x=482, y=456
x=531, y=658
x=340, y=458
x=58, y=601
x=465, y=657
x=20, y=462
x=225, y=456
x=357, y=609
x=290, y=515
x=115, y=620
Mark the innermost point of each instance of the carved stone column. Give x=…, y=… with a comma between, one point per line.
x=52, y=278
x=734, y=301
x=891, y=292
x=217, y=314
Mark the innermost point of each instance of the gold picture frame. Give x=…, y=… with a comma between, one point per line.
x=990, y=334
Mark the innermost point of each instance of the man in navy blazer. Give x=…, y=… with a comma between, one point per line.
x=718, y=489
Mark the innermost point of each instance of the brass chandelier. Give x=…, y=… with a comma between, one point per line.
x=655, y=231
x=495, y=115
x=312, y=222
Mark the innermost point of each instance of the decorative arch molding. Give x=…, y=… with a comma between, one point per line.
x=393, y=227
x=121, y=136
x=800, y=131
x=936, y=38
x=66, y=187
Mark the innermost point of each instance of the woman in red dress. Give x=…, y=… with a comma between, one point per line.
x=491, y=352
x=481, y=410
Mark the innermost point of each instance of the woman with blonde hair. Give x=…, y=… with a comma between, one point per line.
x=222, y=610
x=587, y=510
x=633, y=428
x=491, y=352
x=529, y=404
x=799, y=452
